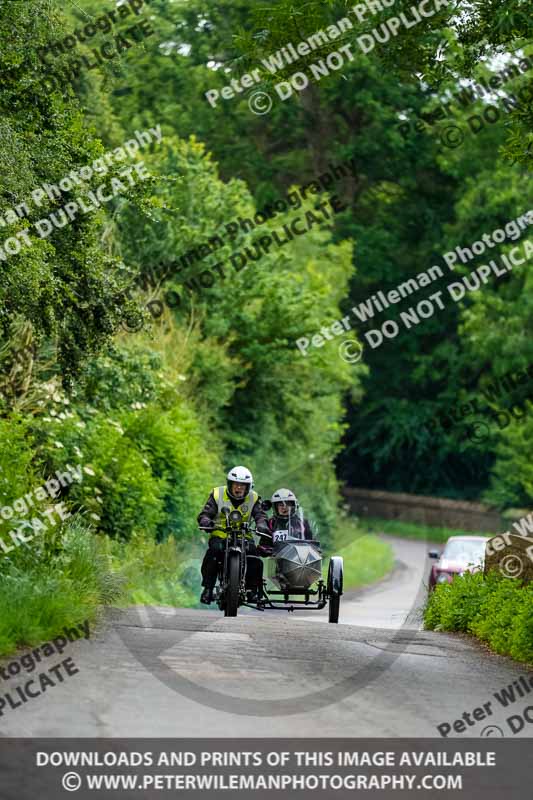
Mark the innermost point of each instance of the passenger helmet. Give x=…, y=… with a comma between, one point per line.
x=284, y=496
x=239, y=475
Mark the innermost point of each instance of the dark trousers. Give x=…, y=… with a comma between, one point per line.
x=214, y=561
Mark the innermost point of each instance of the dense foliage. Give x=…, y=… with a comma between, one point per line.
x=497, y=610
x=154, y=407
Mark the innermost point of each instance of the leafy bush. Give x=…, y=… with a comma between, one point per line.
x=16, y=454
x=180, y=459
x=494, y=608
x=147, y=466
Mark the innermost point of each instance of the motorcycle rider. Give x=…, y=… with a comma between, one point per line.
x=287, y=516
x=237, y=494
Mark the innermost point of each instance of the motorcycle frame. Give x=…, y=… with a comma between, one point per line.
x=288, y=605
x=235, y=542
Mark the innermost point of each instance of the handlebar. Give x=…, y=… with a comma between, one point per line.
x=210, y=530
x=259, y=533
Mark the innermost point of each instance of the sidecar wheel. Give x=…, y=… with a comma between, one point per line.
x=335, y=578
x=334, y=607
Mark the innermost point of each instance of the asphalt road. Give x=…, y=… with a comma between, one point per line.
x=175, y=672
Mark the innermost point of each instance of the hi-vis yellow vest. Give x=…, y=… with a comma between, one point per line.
x=222, y=498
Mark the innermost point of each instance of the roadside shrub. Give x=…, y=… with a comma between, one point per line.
x=147, y=467
x=16, y=470
x=452, y=606
x=506, y=619
x=131, y=496
x=177, y=450
x=496, y=609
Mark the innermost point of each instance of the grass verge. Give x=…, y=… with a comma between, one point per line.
x=366, y=558
x=412, y=530
x=157, y=573
x=497, y=610
x=84, y=573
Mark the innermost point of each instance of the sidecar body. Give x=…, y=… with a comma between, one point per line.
x=295, y=570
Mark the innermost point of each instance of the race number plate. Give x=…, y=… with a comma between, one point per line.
x=280, y=536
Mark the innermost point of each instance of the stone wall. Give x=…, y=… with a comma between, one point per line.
x=433, y=511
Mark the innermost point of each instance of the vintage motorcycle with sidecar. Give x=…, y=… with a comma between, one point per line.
x=294, y=567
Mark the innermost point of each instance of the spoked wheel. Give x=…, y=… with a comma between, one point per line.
x=335, y=575
x=234, y=584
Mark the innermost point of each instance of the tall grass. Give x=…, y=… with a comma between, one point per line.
x=157, y=573
x=39, y=599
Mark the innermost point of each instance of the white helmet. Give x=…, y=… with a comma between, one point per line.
x=284, y=496
x=240, y=475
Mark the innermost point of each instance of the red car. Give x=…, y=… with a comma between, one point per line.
x=461, y=554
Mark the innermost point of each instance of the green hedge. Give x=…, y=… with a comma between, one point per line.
x=497, y=610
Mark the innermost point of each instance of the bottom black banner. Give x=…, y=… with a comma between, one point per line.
x=320, y=768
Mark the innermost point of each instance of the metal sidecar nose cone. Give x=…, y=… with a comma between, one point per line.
x=299, y=564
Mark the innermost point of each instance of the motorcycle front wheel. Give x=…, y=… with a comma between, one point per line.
x=233, y=586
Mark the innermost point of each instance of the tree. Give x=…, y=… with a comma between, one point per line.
x=57, y=278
